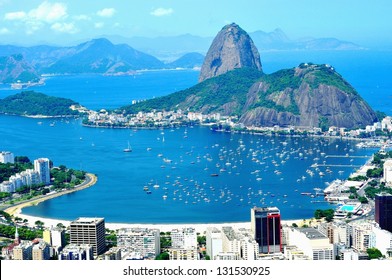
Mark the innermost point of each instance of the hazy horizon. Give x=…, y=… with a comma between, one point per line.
x=69, y=21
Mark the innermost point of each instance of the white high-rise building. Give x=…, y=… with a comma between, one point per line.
x=231, y=243
x=41, y=166
x=185, y=238
x=139, y=240
x=7, y=157
x=213, y=242
x=388, y=171
x=7, y=186
x=312, y=243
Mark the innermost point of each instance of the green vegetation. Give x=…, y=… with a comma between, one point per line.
x=323, y=124
x=374, y=253
x=163, y=256
x=33, y=103
x=358, y=178
x=327, y=214
x=327, y=76
x=165, y=239
x=9, y=169
x=278, y=82
x=201, y=240
x=63, y=178
x=111, y=238
x=24, y=232
x=371, y=191
x=207, y=96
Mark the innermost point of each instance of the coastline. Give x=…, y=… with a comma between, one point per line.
x=200, y=228
x=17, y=209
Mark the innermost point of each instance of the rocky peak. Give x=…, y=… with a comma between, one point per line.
x=232, y=48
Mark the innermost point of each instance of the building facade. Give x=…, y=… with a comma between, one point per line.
x=42, y=166
x=89, y=231
x=139, y=240
x=213, y=242
x=387, y=175
x=383, y=214
x=266, y=227
x=7, y=157
x=312, y=243
x=185, y=238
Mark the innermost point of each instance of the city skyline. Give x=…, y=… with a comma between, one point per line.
x=66, y=22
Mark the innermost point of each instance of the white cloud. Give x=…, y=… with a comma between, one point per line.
x=15, y=16
x=99, y=24
x=82, y=17
x=64, y=27
x=45, y=13
x=107, y=12
x=49, y=12
x=162, y=12
x=4, y=31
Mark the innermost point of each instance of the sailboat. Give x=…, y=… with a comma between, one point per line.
x=127, y=150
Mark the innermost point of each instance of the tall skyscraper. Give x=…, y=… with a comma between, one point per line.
x=89, y=231
x=41, y=166
x=383, y=215
x=265, y=225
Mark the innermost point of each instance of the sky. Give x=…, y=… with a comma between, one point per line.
x=29, y=21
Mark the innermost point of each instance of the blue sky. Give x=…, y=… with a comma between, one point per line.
x=361, y=21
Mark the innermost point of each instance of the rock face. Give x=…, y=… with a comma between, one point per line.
x=15, y=68
x=232, y=48
x=310, y=96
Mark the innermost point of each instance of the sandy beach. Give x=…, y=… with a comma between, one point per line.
x=200, y=228
x=16, y=211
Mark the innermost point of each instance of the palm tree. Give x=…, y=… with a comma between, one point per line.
x=39, y=224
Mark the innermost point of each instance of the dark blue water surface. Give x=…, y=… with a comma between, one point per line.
x=253, y=170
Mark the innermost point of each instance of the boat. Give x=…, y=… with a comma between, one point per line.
x=214, y=175
x=128, y=149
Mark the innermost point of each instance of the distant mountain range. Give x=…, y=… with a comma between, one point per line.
x=172, y=47
x=117, y=57
x=14, y=69
x=95, y=56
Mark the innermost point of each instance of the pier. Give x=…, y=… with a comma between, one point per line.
x=338, y=165
x=346, y=156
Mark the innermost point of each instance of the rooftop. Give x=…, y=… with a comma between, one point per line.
x=311, y=233
x=83, y=220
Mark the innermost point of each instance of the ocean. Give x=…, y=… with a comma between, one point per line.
x=176, y=165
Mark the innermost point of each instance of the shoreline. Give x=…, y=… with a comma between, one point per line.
x=200, y=228
x=17, y=209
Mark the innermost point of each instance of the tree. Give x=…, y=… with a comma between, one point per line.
x=327, y=214
x=39, y=224
x=163, y=256
x=374, y=253
x=60, y=226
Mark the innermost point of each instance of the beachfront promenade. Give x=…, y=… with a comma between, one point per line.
x=16, y=208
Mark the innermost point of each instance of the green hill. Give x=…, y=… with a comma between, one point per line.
x=224, y=94
x=309, y=95
x=30, y=103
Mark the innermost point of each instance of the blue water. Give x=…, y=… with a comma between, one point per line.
x=195, y=152
x=256, y=170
